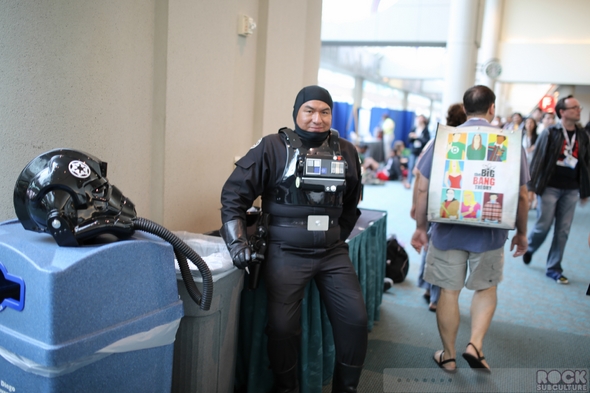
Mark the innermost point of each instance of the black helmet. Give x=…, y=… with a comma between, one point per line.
x=66, y=193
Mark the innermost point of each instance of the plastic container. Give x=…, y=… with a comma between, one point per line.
x=97, y=318
x=206, y=342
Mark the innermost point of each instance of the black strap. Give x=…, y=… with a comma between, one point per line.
x=293, y=139
x=335, y=141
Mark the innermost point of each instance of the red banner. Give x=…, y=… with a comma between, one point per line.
x=547, y=104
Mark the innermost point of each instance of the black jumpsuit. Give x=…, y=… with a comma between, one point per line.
x=295, y=255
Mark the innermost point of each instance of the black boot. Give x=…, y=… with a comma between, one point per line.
x=286, y=382
x=346, y=378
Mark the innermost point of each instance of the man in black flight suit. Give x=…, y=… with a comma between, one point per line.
x=310, y=183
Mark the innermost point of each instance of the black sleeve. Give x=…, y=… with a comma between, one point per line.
x=412, y=139
x=425, y=137
x=350, y=212
x=252, y=174
x=538, y=160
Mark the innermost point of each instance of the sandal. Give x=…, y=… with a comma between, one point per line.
x=440, y=362
x=476, y=362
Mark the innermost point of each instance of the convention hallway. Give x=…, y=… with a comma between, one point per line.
x=538, y=326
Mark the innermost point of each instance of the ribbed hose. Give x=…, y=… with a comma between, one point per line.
x=187, y=278
x=182, y=252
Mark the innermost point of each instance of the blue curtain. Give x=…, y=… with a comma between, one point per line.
x=342, y=119
x=404, y=122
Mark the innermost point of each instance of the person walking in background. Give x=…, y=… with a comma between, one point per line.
x=516, y=122
x=560, y=176
x=453, y=249
x=419, y=136
x=497, y=122
x=548, y=121
x=388, y=130
x=537, y=115
x=455, y=117
x=529, y=138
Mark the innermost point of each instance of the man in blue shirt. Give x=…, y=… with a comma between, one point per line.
x=457, y=248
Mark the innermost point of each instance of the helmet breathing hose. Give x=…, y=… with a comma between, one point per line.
x=183, y=252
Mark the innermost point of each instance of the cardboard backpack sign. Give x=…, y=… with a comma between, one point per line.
x=475, y=176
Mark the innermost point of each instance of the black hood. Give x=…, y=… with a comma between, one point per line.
x=310, y=93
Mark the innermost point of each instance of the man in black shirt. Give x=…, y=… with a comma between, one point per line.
x=560, y=176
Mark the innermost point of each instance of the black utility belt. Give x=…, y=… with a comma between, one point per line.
x=311, y=223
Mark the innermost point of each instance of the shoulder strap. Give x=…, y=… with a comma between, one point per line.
x=335, y=141
x=292, y=138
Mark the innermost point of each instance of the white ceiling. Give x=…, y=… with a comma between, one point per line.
x=402, y=43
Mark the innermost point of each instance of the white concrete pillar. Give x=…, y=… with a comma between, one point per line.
x=502, y=90
x=566, y=90
x=461, y=51
x=358, y=92
x=357, y=101
x=490, y=36
x=278, y=22
x=405, y=101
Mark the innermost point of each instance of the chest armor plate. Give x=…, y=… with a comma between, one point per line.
x=313, y=176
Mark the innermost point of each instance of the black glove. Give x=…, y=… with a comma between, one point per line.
x=234, y=234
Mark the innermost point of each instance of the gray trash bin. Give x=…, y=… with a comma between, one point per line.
x=206, y=342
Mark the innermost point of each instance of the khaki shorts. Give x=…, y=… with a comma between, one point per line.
x=448, y=269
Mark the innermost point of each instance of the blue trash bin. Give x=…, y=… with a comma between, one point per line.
x=95, y=318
